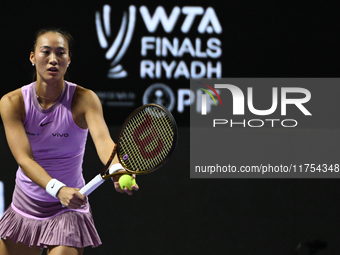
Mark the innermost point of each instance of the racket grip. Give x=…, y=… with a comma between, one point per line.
x=92, y=185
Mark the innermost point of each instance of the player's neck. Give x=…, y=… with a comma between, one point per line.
x=48, y=93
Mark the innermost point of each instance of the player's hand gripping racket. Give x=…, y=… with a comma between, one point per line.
x=146, y=140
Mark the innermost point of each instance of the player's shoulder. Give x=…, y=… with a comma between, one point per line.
x=12, y=98
x=12, y=101
x=83, y=91
x=84, y=96
x=13, y=95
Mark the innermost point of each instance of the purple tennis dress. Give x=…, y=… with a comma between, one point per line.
x=34, y=217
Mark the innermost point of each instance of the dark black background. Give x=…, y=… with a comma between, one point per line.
x=173, y=214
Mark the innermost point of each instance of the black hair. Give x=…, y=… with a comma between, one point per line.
x=67, y=36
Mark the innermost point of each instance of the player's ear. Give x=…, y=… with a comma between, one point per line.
x=32, y=58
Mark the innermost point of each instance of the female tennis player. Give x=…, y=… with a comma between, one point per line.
x=46, y=125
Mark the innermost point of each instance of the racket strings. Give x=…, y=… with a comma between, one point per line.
x=147, y=139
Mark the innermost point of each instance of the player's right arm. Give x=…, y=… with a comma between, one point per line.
x=12, y=110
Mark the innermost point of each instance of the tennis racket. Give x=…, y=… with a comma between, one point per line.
x=146, y=140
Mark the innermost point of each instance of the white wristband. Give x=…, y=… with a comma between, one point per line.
x=115, y=167
x=53, y=186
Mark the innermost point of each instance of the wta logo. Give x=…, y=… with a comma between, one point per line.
x=119, y=46
x=204, y=98
x=205, y=52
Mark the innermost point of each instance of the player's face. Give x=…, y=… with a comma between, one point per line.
x=51, y=56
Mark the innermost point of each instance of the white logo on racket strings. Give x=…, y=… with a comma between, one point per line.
x=143, y=143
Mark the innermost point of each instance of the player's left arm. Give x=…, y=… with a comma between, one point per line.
x=87, y=103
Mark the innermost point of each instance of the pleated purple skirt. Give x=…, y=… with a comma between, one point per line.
x=41, y=224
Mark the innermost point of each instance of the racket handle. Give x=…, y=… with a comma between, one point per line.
x=92, y=185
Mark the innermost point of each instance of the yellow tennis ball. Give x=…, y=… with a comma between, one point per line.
x=126, y=181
